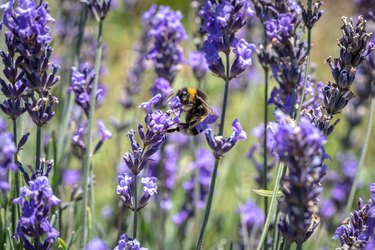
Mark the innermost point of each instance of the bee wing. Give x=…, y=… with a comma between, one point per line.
x=168, y=98
x=211, y=111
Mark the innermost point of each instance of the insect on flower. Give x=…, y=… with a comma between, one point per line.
x=198, y=114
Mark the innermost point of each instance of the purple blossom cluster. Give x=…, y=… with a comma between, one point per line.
x=136, y=73
x=219, y=144
x=354, y=46
x=27, y=61
x=34, y=228
x=167, y=33
x=126, y=243
x=124, y=190
x=358, y=231
x=158, y=123
x=7, y=151
x=81, y=84
x=256, y=151
x=221, y=20
x=300, y=146
x=201, y=172
x=78, y=139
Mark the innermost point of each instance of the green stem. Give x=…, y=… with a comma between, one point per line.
x=273, y=205
x=265, y=165
x=361, y=158
x=299, y=246
x=38, y=146
x=67, y=108
x=89, y=146
x=306, y=70
x=16, y=213
x=214, y=173
x=135, y=208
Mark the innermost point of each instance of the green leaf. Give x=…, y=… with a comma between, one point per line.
x=267, y=193
x=55, y=178
x=62, y=244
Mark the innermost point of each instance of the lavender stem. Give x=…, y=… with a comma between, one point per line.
x=135, y=217
x=306, y=69
x=273, y=205
x=214, y=173
x=67, y=108
x=38, y=145
x=362, y=157
x=89, y=150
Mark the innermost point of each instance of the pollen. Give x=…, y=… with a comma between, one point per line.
x=192, y=93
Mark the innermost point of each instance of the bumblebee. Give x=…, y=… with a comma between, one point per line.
x=195, y=107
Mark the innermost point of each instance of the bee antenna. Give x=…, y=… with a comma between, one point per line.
x=168, y=98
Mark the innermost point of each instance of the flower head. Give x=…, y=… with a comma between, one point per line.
x=34, y=228
x=81, y=84
x=126, y=243
x=220, y=145
x=7, y=151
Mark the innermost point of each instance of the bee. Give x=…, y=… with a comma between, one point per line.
x=195, y=107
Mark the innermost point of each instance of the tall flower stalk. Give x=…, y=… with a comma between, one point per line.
x=221, y=20
x=99, y=9
x=353, y=190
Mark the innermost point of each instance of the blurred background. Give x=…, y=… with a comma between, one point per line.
x=122, y=32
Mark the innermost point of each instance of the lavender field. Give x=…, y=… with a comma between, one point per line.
x=191, y=124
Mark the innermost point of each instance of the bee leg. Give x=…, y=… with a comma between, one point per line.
x=177, y=129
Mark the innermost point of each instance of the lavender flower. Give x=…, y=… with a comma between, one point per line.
x=220, y=145
x=79, y=136
x=243, y=52
x=198, y=63
x=301, y=148
x=7, y=151
x=167, y=32
x=149, y=189
x=251, y=215
x=28, y=21
x=40, y=110
x=354, y=48
x=81, y=84
x=203, y=167
x=97, y=244
x=70, y=177
x=99, y=8
x=357, y=230
x=366, y=7
x=137, y=71
x=28, y=24
x=12, y=87
x=34, y=228
x=221, y=20
x=123, y=189
x=256, y=151
x=126, y=243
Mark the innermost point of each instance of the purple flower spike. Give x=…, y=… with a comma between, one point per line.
x=123, y=189
x=28, y=20
x=220, y=145
x=126, y=243
x=243, y=51
x=97, y=244
x=7, y=151
x=149, y=190
x=198, y=62
x=34, y=228
x=357, y=231
x=81, y=84
x=167, y=32
x=148, y=105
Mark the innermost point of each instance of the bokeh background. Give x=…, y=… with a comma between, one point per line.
x=122, y=30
